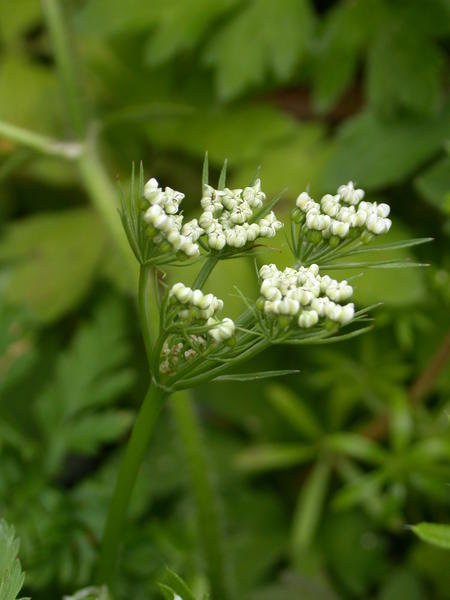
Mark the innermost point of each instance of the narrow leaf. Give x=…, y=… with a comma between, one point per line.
x=387, y=264
x=205, y=171
x=310, y=506
x=257, y=375
x=361, y=490
x=392, y=246
x=264, y=210
x=255, y=176
x=274, y=456
x=175, y=584
x=436, y=534
x=295, y=410
x=223, y=175
x=356, y=446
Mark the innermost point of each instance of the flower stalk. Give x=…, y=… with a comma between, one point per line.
x=137, y=445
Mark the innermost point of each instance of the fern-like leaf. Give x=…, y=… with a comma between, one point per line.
x=73, y=412
x=11, y=574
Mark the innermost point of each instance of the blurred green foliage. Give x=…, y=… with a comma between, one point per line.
x=319, y=475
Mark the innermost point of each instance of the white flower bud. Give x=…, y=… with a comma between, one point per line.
x=206, y=219
x=308, y=318
x=378, y=225
x=349, y=194
x=152, y=213
x=181, y=292
x=319, y=305
x=253, y=195
x=269, y=291
x=224, y=330
x=333, y=311
x=252, y=232
x=216, y=240
x=383, y=210
x=330, y=204
x=150, y=187
x=287, y=306
x=317, y=222
x=339, y=228
x=198, y=299
x=268, y=271
x=175, y=239
x=360, y=218
x=347, y=313
x=346, y=214
x=302, y=201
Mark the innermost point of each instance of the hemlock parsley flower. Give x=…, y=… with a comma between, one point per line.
x=340, y=216
x=298, y=305
x=305, y=295
x=227, y=217
x=192, y=310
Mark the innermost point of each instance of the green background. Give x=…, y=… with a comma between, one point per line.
x=317, y=93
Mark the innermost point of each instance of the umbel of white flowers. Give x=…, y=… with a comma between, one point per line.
x=199, y=310
x=226, y=220
x=304, y=294
x=202, y=308
x=343, y=215
x=227, y=216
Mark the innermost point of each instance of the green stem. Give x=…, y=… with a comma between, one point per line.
x=205, y=272
x=104, y=198
x=216, y=371
x=60, y=39
x=208, y=515
x=41, y=143
x=145, y=281
x=134, y=453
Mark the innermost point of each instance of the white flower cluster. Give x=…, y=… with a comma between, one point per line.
x=305, y=294
x=164, y=217
x=203, y=307
x=227, y=214
x=337, y=215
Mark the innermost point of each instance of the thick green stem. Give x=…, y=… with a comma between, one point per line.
x=60, y=38
x=209, y=522
x=134, y=453
x=40, y=143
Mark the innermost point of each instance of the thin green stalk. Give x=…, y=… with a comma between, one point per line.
x=134, y=453
x=145, y=283
x=216, y=371
x=208, y=515
x=41, y=143
x=205, y=272
x=60, y=38
x=104, y=198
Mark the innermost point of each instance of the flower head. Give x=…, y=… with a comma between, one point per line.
x=305, y=294
x=228, y=217
x=340, y=216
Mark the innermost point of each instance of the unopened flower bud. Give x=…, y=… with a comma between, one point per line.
x=308, y=318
